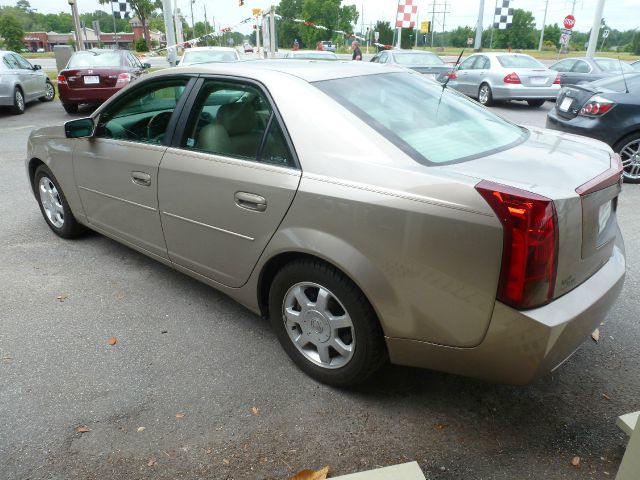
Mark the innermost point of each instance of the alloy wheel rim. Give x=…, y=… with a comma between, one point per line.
x=19, y=100
x=50, y=92
x=630, y=155
x=318, y=325
x=51, y=203
x=484, y=94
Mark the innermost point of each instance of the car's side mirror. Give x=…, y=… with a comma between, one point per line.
x=146, y=65
x=37, y=67
x=80, y=128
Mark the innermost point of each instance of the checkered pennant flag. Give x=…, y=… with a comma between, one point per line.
x=406, y=17
x=503, y=16
x=121, y=9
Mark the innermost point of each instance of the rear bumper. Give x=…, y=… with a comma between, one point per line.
x=522, y=345
x=522, y=92
x=86, y=95
x=586, y=126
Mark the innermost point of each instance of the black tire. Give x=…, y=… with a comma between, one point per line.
x=629, y=175
x=70, y=107
x=369, y=351
x=535, y=103
x=51, y=94
x=18, y=102
x=70, y=228
x=489, y=98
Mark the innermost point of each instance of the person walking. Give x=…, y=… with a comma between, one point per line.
x=296, y=45
x=357, y=53
x=319, y=46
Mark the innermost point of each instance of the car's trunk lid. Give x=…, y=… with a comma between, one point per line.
x=536, y=77
x=91, y=77
x=571, y=99
x=581, y=176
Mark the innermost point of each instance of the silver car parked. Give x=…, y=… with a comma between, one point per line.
x=369, y=213
x=21, y=82
x=491, y=77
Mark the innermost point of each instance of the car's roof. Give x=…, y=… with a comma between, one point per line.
x=205, y=49
x=502, y=54
x=404, y=50
x=308, y=70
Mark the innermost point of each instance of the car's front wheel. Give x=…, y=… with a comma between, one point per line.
x=629, y=150
x=485, y=95
x=535, y=103
x=18, y=102
x=53, y=204
x=325, y=324
x=49, y=93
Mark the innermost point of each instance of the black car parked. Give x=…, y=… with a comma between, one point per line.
x=608, y=110
x=574, y=71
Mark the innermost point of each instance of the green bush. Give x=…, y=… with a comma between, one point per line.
x=141, y=45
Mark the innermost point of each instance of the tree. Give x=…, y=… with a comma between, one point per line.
x=329, y=14
x=288, y=31
x=143, y=9
x=521, y=34
x=385, y=31
x=141, y=45
x=11, y=31
x=635, y=44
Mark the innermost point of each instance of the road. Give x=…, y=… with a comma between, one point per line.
x=244, y=410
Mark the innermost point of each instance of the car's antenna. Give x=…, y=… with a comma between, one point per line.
x=626, y=87
x=444, y=85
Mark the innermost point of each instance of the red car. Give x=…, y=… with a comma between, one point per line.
x=92, y=76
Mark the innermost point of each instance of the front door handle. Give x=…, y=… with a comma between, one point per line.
x=250, y=201
x=141, y=178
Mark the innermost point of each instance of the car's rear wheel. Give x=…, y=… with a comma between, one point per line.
x=18, y=102
x=53, y=204
x=485, y=96
x=70, y=107
x=535, y=103
x=325, y=324
x=629, y=150
x=50, y=93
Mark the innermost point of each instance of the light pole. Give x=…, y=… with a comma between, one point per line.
x=595, y=29
x=76, y=22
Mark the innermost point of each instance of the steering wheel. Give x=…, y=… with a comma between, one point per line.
x=157, y=125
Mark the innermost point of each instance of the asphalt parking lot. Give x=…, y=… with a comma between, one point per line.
x=198, y=387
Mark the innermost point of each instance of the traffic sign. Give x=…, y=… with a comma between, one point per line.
x=376, y=36
x=470, y=41
x=425, y=27
x=569, y=22
x=605, y=34
x=564, y=38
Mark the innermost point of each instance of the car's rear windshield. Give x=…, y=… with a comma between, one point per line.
x=95, y=59
x=519, y=61
x=620, y=83
x=613, y=65
x=315, y=56
x=431, y=124
x=209, y=56
x=417, y=59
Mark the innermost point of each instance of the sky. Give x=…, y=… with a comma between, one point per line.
x=619, y=14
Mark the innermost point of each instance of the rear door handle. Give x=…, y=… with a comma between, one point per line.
x=141, y=178
x=250, y=201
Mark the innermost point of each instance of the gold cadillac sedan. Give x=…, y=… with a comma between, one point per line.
x=371, y=214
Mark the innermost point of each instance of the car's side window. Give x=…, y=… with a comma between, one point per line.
x=144, y=114
x=231, y=119
x=134, y=61
x=467, y=64
x=383, y=57
x=22, y=62
x=563, y=66
x=482, y=63
x=11, y=62
x=581, y=67
x=375, y=59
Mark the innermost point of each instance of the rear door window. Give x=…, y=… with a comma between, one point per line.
x=563, y=66
x=468, y=63
x=581, y=67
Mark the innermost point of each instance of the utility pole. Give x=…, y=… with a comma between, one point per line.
x=399, y=29
x=76, y=21
x=595, y=29
x=193, y=24
x=478, y=43
x=169, y=31
x=544, y=21
x=433, y=22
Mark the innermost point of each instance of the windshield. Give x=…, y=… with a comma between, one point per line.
x=432, y=126
x=618, y=83
x=519, y=61
x=315, y=56
x=207, y=56
x=94, y=59
x=417, y=59
x=612, y=65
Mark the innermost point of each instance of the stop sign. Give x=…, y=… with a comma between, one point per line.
x=569, y=22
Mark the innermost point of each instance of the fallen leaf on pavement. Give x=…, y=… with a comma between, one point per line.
x=311, y=475
x=62, y=298
x=255, y=410
x=575, y=461
x=151, y=462
x=225, y=461
x=180, y=415
x=141, y=429
x=440, y=426
x=112, y=341
x=596, y=335
x=606, y=397
x=82, y=429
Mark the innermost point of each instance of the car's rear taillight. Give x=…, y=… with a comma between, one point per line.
x=62, y=80
x=452, y=75
x=557, y=80
x=530, y=244
x=123, y=79
x=596, y=106
x=512, y=78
